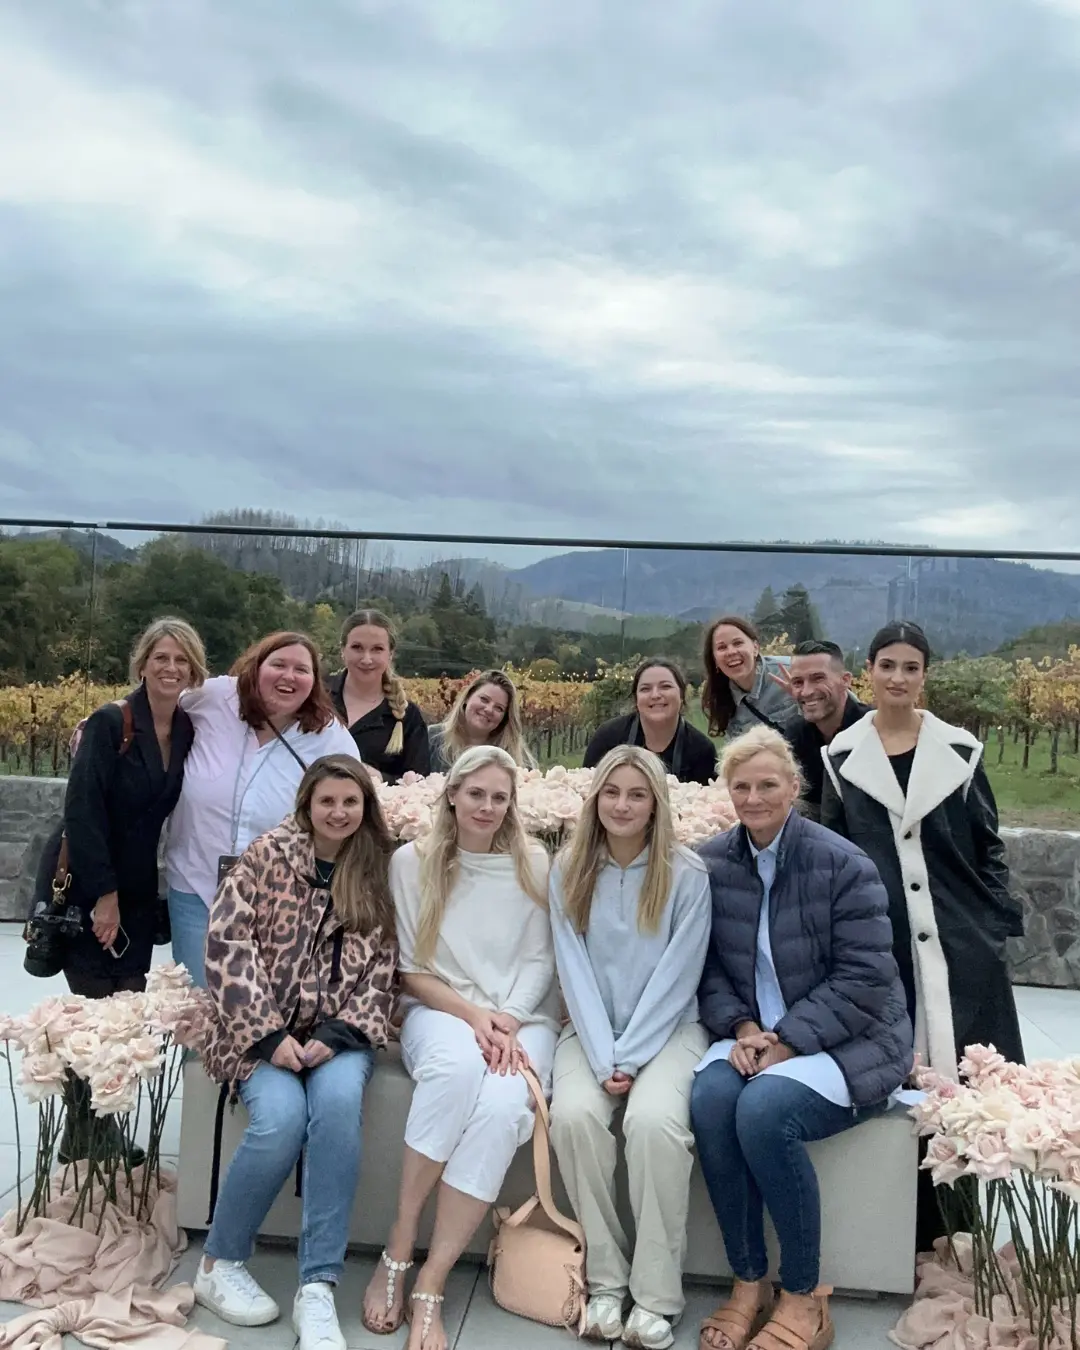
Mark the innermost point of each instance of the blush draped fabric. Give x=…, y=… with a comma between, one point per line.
x=103, y=1287
x=944, y=1316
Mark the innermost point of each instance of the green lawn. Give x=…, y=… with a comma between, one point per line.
x=1033, y=796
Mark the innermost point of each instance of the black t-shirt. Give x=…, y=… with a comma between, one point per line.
x=806, y=742
x=901, y=766
x=324, y=871
x=691, y=756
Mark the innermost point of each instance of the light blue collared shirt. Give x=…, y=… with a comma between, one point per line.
x=770, y=1000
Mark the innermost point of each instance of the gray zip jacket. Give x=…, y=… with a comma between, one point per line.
x=627, y=991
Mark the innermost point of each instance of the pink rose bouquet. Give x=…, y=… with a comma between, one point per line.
x=129, y=1049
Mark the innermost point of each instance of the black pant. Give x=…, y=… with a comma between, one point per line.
x=101, y=986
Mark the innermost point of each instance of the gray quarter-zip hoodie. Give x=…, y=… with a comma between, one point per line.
x=627, y=991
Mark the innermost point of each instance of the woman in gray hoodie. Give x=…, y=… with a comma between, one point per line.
x=630, y=915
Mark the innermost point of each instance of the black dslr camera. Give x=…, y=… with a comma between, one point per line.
x=49, y=929
x=52, y=922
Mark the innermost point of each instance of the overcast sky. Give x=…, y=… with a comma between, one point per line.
x=691, y=268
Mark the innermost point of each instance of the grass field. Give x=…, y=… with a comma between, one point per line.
x=1032, y=796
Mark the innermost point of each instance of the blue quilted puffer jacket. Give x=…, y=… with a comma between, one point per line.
x=831, y=946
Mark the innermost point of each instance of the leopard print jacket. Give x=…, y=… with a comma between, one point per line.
x=278, y=958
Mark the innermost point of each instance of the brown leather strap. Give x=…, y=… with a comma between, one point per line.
x=129, y=726
x=542, y=1162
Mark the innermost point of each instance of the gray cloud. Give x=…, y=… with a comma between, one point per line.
x=694, y=270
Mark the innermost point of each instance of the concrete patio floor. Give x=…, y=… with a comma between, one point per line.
x=1050, y=1019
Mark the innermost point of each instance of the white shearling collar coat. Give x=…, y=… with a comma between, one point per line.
x=939, y=853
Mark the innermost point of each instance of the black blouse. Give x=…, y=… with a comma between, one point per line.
x=691, y=756
x=372, y=734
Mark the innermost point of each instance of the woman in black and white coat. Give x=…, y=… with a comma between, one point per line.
x=911, y=791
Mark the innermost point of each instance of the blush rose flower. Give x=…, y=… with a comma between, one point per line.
x=81, y=1049
x=144, y=1057
x=173, y=975
x=944, y=1160
x=990, y=1157
x=113, y=1088
x=44, y=1026
x=41, y=1075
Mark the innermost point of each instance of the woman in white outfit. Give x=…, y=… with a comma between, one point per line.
x=631, y=914
x=478, y=979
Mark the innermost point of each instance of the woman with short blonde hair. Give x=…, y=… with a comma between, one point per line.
x=487, y=711
x=630, y=913
x=811, y=1035
x=478, y=977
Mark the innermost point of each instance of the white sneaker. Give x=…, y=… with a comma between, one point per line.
x=230, y=1291
x=314, y=1318
x=647, y=1330
x=603, y=1318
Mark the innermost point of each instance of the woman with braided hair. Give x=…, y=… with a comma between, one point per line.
x=389, y=730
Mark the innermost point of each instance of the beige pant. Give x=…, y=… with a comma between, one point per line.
x=656, y=1128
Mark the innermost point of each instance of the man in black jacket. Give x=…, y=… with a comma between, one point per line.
x=821, y=686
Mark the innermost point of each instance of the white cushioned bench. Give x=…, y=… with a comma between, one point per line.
x=867, y=1182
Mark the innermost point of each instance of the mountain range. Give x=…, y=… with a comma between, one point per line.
x=965, y=604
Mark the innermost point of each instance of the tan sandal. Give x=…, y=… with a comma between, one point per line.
x=741, y=1317
x=393, y=1270
x=786, y=1328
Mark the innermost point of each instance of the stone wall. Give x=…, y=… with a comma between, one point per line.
x=1045, y=869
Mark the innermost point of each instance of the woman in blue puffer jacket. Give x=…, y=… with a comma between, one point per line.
x=803, y=997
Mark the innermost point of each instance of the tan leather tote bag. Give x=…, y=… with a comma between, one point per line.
x=537, y=1268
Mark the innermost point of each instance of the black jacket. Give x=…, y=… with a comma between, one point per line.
x=691, y=756
x=114, y=809
x=831, y=947
x=372, y=733
x=807, y=742
x=942, y=860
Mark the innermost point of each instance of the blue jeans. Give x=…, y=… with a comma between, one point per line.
x=319, y=1111
x=189, y=919
x=751, y=1136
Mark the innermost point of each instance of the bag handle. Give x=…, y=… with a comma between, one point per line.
x=542, y=1165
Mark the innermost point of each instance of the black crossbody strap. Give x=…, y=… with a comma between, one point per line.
x=288, y=747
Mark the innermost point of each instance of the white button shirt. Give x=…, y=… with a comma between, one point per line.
x=234, y=789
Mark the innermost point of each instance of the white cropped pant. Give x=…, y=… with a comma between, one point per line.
x=462, y=1114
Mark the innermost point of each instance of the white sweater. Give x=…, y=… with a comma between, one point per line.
x=627, y=991
x=494, y=946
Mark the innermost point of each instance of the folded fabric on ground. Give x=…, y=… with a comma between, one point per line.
x=944, y=1317
x=100, y=1280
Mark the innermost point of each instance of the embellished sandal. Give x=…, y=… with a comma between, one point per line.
x=787, y=1328
x=393, y=1270
x=430, y=1302
x=741, y=1317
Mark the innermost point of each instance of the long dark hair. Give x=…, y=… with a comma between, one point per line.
x=360, y=887
x=716, y=696
x=902, y=630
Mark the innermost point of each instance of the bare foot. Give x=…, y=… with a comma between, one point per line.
x=384, y=1298
x=426, y=1330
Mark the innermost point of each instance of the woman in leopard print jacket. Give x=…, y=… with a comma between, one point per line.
x=301, y=964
